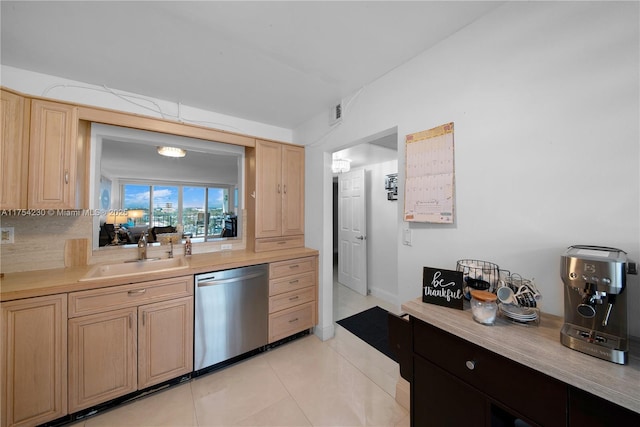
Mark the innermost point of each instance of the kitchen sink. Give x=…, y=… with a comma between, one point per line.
x=132, y=268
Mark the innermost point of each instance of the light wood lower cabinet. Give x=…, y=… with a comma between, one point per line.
x=102, y=357
x=117, y=352
x=34, y=360
x=293, y=299
x=165, y=341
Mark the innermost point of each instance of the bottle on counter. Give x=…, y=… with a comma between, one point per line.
x=187, y=246
x=142, y=247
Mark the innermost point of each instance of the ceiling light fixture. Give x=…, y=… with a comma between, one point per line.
x=340, y=165
x=172, y=152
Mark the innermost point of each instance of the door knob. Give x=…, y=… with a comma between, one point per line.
x=360, y=237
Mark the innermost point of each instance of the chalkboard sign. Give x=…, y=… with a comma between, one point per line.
x=442, y=287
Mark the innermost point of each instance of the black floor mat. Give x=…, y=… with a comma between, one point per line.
x=371, y=326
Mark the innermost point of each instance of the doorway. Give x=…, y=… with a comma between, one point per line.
x=377, y=156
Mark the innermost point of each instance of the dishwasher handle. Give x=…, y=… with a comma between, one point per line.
x=213, y=281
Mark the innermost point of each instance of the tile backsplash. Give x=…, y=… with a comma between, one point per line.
x=39, y=242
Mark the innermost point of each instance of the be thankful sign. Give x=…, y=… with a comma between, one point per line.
x=442, y=287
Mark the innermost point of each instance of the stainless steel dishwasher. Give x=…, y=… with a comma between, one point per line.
x=231, y=314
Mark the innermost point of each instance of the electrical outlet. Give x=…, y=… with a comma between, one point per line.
x=6, y=235
x=226, y=247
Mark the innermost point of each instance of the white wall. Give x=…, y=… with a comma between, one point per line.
x=37, y=84
x=382, y=220
x=545, y=101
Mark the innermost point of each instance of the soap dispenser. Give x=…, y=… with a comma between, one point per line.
x=187, y=246
x=142, y=247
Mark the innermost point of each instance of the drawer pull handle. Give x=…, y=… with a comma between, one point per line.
x=293, y=320
x=294, y=266
x=137, y=292
x=470, y=364
x=294, y=298
x=293, y=282
x=282, y=242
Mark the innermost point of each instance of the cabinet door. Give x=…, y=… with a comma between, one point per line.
x=102, y=357
x=14, y=151
x=441, y=400
x=587, y=410
x=292, y=190
x=165, y=344
x=52, y=155
x=268, y=189
x=34, y=360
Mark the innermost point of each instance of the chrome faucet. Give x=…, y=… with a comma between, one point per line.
x=142, y=247
x=170, y=251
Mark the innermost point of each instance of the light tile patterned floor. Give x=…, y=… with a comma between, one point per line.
x=340, y=382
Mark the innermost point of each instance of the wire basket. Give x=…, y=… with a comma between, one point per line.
x=478, y=274
x=525, y=291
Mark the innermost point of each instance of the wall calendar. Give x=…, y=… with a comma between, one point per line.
x=429, y=176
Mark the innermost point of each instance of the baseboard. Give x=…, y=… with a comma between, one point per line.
x=325, y=333
x=384, y=295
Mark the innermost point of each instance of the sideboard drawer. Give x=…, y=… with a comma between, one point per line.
x=116, y=297
x=503, y=380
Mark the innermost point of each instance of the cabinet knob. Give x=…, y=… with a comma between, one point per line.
x=470, y=364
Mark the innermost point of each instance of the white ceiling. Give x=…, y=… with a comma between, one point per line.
x=279, y=63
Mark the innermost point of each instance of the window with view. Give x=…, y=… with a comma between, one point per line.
x=203, y=211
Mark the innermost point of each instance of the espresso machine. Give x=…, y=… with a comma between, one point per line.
x=595, y=301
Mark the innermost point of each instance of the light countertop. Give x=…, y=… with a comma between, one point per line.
x=539, y=348
x=36, y=283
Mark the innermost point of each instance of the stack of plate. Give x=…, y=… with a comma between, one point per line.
x=518, y=313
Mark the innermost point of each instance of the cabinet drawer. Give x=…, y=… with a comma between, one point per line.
x=291, y=283
x=521, y=388
x=290, y=321
x=292, y=266
x=291, y=299
x=116, y=297
x=275, y=243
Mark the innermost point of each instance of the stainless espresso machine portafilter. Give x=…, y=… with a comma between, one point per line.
x=595, y=301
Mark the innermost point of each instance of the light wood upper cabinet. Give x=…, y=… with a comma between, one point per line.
x=53, y=155
x=269, y=197
x=34, y=360
x=43, y=154
x=293, y=190
x=14, y=150
x=279, y=195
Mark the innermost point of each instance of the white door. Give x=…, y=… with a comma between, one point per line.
x=352, y=227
